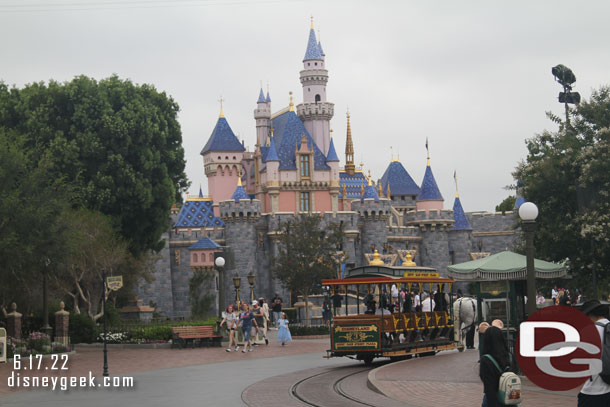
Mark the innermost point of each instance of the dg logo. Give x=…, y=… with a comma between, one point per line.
x=559, y=348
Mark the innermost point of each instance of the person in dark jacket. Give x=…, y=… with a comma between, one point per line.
x=494, y=345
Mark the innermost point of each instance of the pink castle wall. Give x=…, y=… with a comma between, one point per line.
x=427, y=205
x=322, y=201
x=222, y=185
x=202, y=257
x=288, y=201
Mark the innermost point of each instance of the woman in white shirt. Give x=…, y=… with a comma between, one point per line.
x=231, y=319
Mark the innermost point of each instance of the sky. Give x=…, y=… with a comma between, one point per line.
x=474, y=77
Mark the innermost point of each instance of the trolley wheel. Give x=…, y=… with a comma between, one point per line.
x=368, y=359
x=460, y=349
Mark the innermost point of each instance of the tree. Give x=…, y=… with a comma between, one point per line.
x=116, y=143
x=567, y=174
x=306, y=255
x=507, y=205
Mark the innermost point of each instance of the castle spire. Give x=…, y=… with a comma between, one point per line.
x=350, y=168
x=291, y=105
x=221, y=112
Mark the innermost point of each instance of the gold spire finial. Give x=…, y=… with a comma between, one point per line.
x=362, y=189
x=409, y=261
x=291, y=105
x=370, y=181
x=427, y=152
x=388, y=190
x=457, y=195
x=344, y=192
x=239, y=177
x=221, y=112
x=380, y=191
x=350, y=168
x=376, y=259
x=312, y=22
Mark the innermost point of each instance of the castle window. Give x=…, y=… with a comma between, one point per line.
x=318, y=98
x=195, y=258
x=304, y=164
x=316, y=64
x=304, y=201
x=308, y=64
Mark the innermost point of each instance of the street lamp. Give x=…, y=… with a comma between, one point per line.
x=220, y=262
x=105, y=317
x=236, y=284
x=46, y=328
x=528, y=213
x=251, y=280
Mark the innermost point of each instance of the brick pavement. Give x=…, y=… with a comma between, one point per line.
x=451, y=379
x=125, y=361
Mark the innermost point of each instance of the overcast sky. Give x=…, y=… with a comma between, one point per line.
x=472, y=76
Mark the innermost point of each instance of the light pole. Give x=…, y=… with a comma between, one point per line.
x=236, y=284
x=46, y=328
x=528, y=213
x=105, y=317
x=220, y=263
x=251, y=280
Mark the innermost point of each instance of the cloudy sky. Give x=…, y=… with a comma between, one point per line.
x=472, y=76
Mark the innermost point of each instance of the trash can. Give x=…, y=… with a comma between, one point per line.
x=2, y=345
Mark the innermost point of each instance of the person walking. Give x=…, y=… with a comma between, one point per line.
x=595, y=392
x=247, y=320
x=265, y=307
x=495, y=348
x=259, y=316
x=276, y=307
x=283, y=334
x=230, y=319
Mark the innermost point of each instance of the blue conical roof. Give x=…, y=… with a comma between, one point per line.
x=239, y=194
x=429, y=189
x=268, y=99
x=370, y=192
x=272, y=152
x=204, y=243
x=399, y=179
x=332, y=154
x=313, y=50
x=200, y=192
x=261, y=97
x=321, y=50
x=461, y=221
x=222, y=139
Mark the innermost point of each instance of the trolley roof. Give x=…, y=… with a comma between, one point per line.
x=391, y=275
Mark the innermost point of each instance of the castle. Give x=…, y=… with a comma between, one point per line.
x=295, y=169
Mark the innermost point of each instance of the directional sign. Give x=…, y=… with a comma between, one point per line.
x=114, y=282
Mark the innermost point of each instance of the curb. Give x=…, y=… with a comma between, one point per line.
x=311, y=337
x=372, y=382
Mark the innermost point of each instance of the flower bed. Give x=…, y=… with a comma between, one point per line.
x=37, y=343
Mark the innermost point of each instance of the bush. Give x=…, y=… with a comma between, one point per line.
x=308, y=330
x=39, y=341
x=153, y=333
x=111, y=315
x=82, y=329
x=291, y=314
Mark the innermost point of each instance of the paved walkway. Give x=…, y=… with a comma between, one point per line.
x=451, y=379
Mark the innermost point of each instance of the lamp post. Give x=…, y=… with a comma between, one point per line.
x=236, y=284
x=251, y=280
x=46, y=328
x=105, y=317
x=219, y=262
x=528, y=213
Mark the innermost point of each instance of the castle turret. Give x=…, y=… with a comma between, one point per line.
x=403, y=190
x=430, y=197
x=222, y=156
x=350, y=167
x=315, y=112
x=332, y=160
x=262, y=115
x=272, y=185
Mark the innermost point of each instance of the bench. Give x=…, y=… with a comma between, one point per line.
x=203, y=335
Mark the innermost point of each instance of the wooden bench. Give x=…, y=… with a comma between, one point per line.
x=203, y=335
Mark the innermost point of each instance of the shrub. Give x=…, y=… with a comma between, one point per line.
x=291, y=314
x=82, y=329
x=38, y=341
x=308, y=330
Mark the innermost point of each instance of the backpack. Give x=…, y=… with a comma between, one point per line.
x=605, y=373
x=509, y=386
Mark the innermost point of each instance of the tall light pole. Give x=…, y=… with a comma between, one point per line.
x=219, y=262
x=528, y=212
x=105, y=317
x=251, y=280
x=236, y=284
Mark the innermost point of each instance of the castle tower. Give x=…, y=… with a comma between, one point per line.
x=333, y=162
x=262, y=115
x=430, y=197
x=350, y=168
x=315, y=112
x=222, y=156
x=272, y=162
x=460, y=235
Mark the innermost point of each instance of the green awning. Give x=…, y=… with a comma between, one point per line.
x=504, y=266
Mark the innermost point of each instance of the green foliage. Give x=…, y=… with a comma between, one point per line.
x=507, y=205
x=163, y=333
x=116, y=143
x=308, y=330
x=111, y=315
x=291, y=314
x=567, y=174
x=82, y=329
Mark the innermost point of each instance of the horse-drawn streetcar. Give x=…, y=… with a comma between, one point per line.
x=382, y=322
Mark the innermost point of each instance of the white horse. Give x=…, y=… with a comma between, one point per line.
x=465, y=314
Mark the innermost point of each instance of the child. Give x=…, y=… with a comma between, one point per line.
x=283, y=334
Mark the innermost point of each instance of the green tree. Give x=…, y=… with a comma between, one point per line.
x=116, y=143
x=307, y=255
x=567, y=174
x=507, y=205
